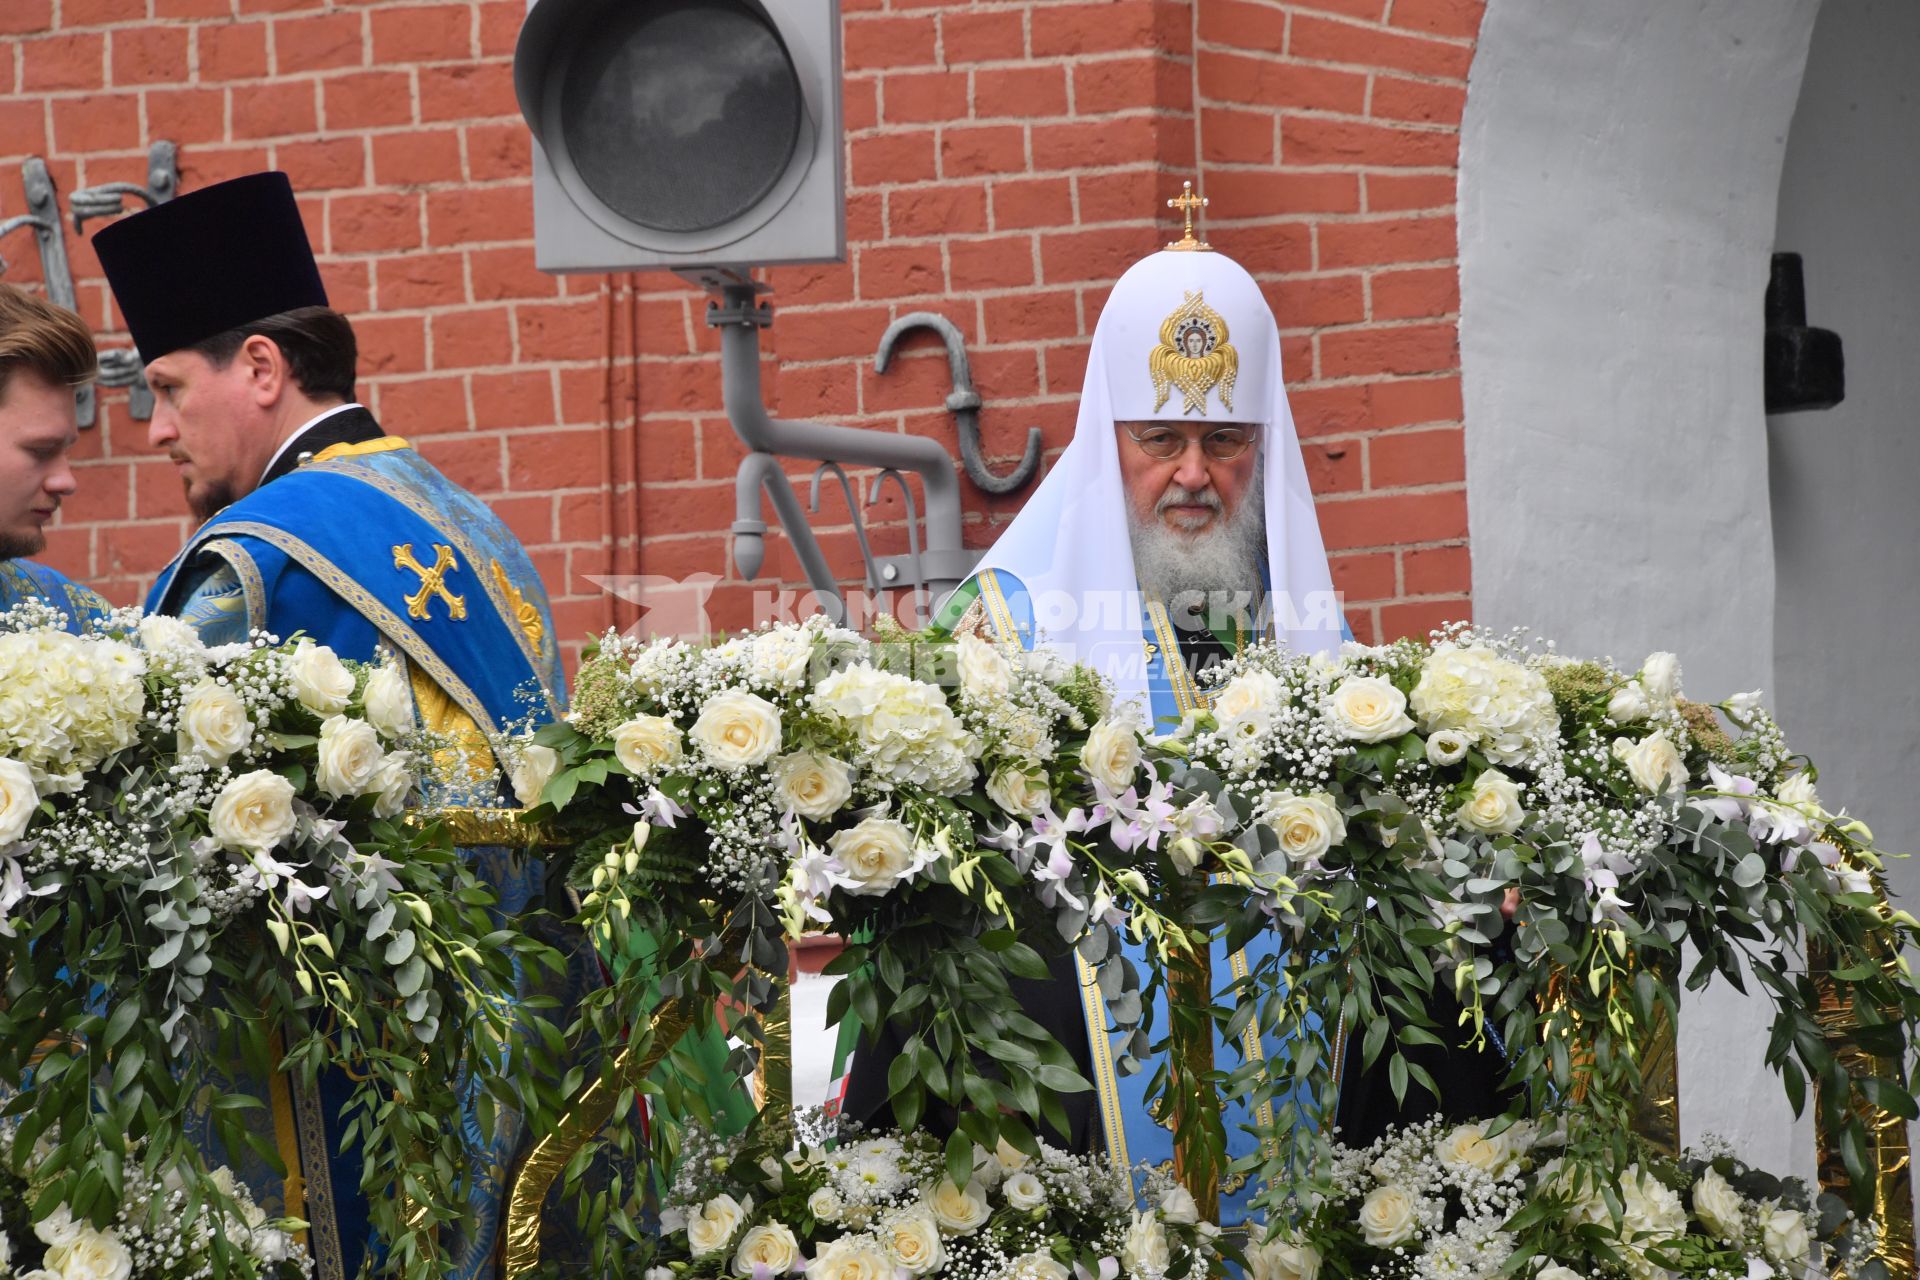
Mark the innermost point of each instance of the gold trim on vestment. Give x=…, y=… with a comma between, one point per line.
x=323, y=1237
x=286, y=1134
x=1106, y=1081
x=348, y=588
x=253, y=588
x=353, y=449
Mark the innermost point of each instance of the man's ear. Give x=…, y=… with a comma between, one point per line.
x=266, y=367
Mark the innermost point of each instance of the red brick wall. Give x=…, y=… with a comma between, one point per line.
x=1007, y=160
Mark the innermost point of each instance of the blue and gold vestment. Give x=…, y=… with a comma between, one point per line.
x=24, y=580
x=1123, y=1126
x=367, y=548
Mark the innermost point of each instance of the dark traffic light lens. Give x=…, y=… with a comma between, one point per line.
x=682, y=115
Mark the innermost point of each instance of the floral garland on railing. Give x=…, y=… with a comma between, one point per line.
x=202, y=860
x=1410, y=791
x=725, y=798
x=161, y=1229
x=852, y=1206
x=1436, y=1201
x=946, y=803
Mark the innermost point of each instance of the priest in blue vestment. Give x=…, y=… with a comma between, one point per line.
x=45, y=352
x=1177, y=527
x=318, y=523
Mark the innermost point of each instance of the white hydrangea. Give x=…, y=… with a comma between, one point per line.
x=908, y=735
x=67, y=703
x=1504, y=705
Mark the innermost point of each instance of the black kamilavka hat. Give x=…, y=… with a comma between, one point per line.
x=209, y=261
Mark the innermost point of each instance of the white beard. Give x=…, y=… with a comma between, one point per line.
x=1221, y=564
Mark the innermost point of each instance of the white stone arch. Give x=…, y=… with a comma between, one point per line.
x=1619, y=177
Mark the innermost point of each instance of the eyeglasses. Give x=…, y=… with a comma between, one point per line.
x=1163, y=444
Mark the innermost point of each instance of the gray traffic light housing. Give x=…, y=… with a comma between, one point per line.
x=683, y=133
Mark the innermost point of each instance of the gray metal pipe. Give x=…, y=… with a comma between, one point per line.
x=760, y=471
x=946, y=562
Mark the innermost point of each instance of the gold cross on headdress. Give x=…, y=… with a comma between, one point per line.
x=1188, y=204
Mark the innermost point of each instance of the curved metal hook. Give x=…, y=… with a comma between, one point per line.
x=963, y=402
x=853, y=510
x=913, y=524
x=14, y=224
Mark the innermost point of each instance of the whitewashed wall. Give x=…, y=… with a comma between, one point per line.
x=1619, y=175
x=1846, y=522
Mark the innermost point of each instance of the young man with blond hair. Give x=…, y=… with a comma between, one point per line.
x=45, y=352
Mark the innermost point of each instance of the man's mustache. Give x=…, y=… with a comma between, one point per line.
x=1181, y=496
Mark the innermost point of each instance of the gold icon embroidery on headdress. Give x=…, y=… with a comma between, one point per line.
x=1194, y=356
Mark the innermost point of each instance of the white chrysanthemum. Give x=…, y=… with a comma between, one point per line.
x=1505, y=706
x=67, y=703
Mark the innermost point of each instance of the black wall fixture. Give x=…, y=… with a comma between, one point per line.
x=1805, y=367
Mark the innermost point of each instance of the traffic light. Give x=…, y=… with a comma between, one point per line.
x=683, y=133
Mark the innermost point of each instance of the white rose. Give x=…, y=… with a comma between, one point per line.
x=393, y=784
x=1369, y=709
x=320, y=680
x=770, y=1244
x=6, y=1251
x=1307, y=825
x=1179, y=1207
x=1010, y=1158
x=1146, y=1253
x=984, y=672
x=782, y=658
x=1018, y=792
x=1468, y=1147
x=1660, y=677
x=1024, y=1191
x=350, y=757
x=1655, y=764
x=213, y=722
x=646, y=743
x=913, y=1238
x=253, y=812
x=1386, y=1217
x=389, y=701
x=812, y=785
x=824, y=1204
x=58, y=1227
x=1037, y=1266
x=1628, y=704
x=18, y=800
x=711, y=1227
x=533, y=771
x=737, y=730
x=1650, y=1210
x=1281, y=1259
x=1718, y=1206
x=1554, y=1271
x=873, y=857
x=38, y=1273
x=958, y=1210
x=1494, y=807
x=658, y=1273
x=91, y=1255
x=856, y=1257
x=1112, y=755
x=1447, y=746
x=1248, y=702
x=1784, y=1236
x=160, y=634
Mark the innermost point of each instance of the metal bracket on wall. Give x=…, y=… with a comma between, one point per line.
x=121, y=367
x=43, y=215
x=963, y=402
x=933, y=565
